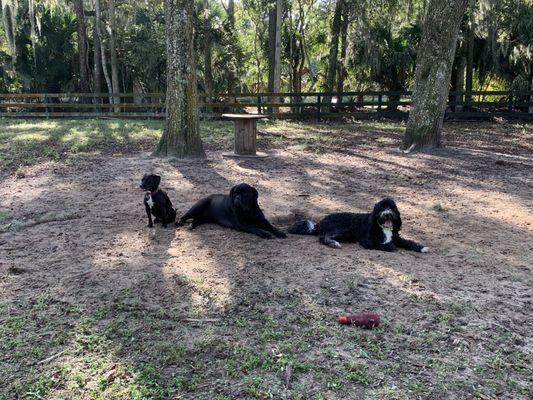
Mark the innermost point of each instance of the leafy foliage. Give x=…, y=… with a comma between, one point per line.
x=38, y=48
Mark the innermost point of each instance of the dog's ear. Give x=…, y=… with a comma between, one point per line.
x=157, y=180
x=232, y=192
x=255, y=192
x=376, y=210
x=398, y=220
x=398, y=217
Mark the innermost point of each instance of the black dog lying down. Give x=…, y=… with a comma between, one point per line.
x=239, y=210
x=379, y=229
x=156, y=201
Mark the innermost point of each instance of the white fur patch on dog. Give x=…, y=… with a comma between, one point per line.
x=149, y=201
x=310, y=225
x=388, y=236
x=424, y=249
x=385, y=212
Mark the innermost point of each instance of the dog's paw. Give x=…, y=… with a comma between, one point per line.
x=150, y=225
x=265, y=235
x=424, y=249
x=335, y=244
x=281, y=235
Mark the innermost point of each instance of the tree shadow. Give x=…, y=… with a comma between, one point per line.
x=215, y=312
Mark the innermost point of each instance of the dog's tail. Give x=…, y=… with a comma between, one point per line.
x=304, y=227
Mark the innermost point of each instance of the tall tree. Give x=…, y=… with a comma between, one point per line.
x=97, y=61
x=208, y=71
x=82, y=46
x=113, y=51
x=277, y=56
x=98, y=23
x=181, y=137
x=274, y=49
x=470, y=53
x=271, y=43
x=336, y=27
x=344, y=45
x=232, y=49
x=274, y=45
x=432, y=75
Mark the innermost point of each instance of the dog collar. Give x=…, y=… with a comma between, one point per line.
x=154, y=192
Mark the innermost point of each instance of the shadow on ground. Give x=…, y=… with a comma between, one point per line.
x=93, y=308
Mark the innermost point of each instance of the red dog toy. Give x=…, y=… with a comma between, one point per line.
x=366, y=320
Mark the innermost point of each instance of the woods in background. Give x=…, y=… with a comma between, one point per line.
x=256, y=45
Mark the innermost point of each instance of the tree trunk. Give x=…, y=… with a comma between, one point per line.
x=113, y=51
x=271, y=46
x=181, y=137
x=334, y=49
x=232, y=70
x=274, y=51
x=530, y=109
x=208, y=71
x=342, y=61
x=460, y=82
x=432, y=76
x=277, y=56
x=82, y=47
x=98, y=21
x=469, y=59
x=97, y=73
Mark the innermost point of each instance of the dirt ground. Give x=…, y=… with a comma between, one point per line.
x=92, y=307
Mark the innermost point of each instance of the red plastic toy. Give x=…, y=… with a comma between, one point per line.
x=366, y=320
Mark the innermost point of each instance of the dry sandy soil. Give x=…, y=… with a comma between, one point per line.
x=92, y=307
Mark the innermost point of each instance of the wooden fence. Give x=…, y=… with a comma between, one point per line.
x=313, y=105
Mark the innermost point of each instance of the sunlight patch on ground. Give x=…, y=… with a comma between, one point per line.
x=21, y=137
x=208, y=284
x=499, y=206
x=410, y=285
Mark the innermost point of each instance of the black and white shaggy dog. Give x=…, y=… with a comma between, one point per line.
x=156, y=201
x=378, y=230
x=238, y=210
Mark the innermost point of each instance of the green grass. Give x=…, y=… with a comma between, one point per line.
x=29, y=142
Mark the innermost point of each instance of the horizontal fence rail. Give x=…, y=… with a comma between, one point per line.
x=310, y=105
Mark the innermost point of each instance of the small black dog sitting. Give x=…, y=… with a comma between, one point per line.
x=156, y=201
x=379, y=229
x=239, y=211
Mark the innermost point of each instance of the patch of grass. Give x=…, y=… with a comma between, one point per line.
x=28, y=142
x=4, y=215
x=357, y=372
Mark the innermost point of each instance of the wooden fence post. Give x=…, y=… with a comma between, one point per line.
x=318, y=107
x=46, y=107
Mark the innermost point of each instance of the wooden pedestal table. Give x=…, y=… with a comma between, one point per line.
x=245, y=135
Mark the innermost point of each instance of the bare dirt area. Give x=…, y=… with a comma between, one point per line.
x=92, y=307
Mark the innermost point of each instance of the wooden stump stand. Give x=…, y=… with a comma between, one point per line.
x=245, y=135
